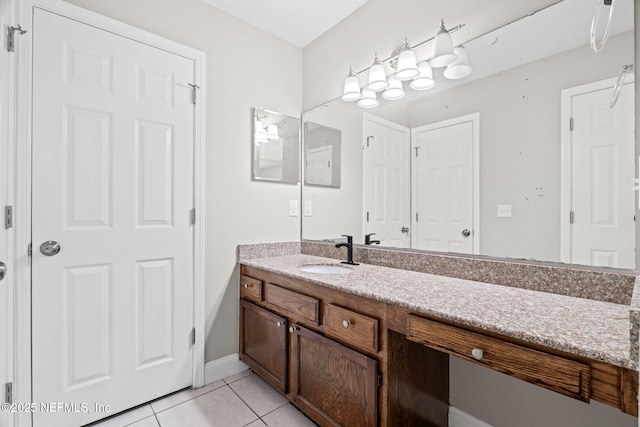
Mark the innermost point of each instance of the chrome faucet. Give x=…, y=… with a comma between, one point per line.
x=349, y=246
x=368, y=241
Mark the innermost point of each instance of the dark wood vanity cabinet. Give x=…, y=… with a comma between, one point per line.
x=264, y=344
x=332, y=383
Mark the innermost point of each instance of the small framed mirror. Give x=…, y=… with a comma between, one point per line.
x=276, y=147
x=322, y=155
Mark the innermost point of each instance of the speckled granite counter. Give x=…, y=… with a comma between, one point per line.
x=593, y=329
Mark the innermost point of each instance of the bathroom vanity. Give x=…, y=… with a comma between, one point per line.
x=371, y=346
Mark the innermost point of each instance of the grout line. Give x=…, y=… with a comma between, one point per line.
x=156, y=417
x=250, y=408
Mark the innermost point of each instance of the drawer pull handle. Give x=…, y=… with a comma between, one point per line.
x=346, y=323
x=279, y=324
x=477, y=353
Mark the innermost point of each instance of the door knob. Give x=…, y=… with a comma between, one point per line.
x=466, y=232
x=3, y=270
x=405, y=230
x=50, y=248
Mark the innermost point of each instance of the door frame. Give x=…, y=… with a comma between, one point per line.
x=474, y=118
x=566, y=183
x=22, y=184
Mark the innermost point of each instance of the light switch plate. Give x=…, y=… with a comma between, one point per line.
x=504, y=211
x=308, y=208
x=293, y=208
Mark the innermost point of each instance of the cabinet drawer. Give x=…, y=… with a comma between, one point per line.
x=556, y=373
x=356, y=329
x=299, y=306
x=250, y=288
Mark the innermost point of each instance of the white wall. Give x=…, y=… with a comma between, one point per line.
x=246, y=68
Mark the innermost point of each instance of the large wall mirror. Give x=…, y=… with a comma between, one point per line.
x=524, y=158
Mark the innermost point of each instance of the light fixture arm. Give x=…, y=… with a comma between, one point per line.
x=416, y=46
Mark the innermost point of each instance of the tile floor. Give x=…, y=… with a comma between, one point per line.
x=240, y=400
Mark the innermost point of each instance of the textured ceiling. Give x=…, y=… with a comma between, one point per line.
x=296, y=21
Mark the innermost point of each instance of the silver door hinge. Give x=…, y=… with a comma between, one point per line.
x=8, y=217
x=367, y=216
x=369, y=139
x=192, y=216
x=379, y=380
x=416, y=216
x=195, y=88
x=571, y=217
x=8, y=393
x=192, y=336
x=571, y=123
x=11, y=37
x=29, y=250
x=416, y=148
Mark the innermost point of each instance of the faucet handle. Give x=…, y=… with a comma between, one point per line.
x=349, y=238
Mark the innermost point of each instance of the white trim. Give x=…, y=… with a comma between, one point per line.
x=474, y=118
x=566, y=96
x=457, y=418
x=223, y=367
x=22, y=384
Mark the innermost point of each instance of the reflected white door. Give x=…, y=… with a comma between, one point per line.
x=602, y=166
x=443, y=186
x=6, y=285
x=386, y=181
x=113, y=185
x=319, y=169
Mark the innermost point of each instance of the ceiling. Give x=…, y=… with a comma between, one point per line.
x=297, y=21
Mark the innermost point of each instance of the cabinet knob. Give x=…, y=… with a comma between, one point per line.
x=477, y=353
x=292, y=329
x=247, y=286
x=346, y=323
x=279, y=324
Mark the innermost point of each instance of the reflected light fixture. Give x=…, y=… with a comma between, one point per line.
x=273, y=132
x=260, y=132
x=459, y=68
x=368, y=99
x=395, y=90
x=442, y=48
x=403, y=62
x=377, y=76
x=424, y=80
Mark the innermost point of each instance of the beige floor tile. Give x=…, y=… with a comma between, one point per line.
x=174, y=399
x=259, y=395
x=257, y=423
x=127, y=417
x=287, y=416
x=240, y=375
x=221, y=407
x=146, y=422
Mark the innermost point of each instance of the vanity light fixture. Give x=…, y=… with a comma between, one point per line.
x=261, y=133
x=404, y=68
x=377, y=76
x=443, y=54
x=407, y=66
x=351, y=87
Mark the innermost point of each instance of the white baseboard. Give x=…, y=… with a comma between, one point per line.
x=222, y=368
x=457, y=418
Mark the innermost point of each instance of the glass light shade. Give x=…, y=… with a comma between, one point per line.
x=460, y=68
x=407, y=68
x=377, y=77
x=394, y=91
x=351, y=87
x=425, y=80
x=261, y=133
x=368, y=99
x=442, y=48
x=272, y=132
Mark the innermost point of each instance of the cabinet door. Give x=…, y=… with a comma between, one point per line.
x=333, y=384
x=263, y=344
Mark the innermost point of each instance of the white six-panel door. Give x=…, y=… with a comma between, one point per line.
x=386, y=182
x=443, y=186
x=113, y=185
x=602, y=162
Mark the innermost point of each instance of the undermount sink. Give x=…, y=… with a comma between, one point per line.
x=326, y=269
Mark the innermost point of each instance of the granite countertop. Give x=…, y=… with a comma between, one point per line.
x=593, y=329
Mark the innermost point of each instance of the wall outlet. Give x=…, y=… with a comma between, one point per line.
x=308, y=208
x=293, y=208
x=504, y=211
